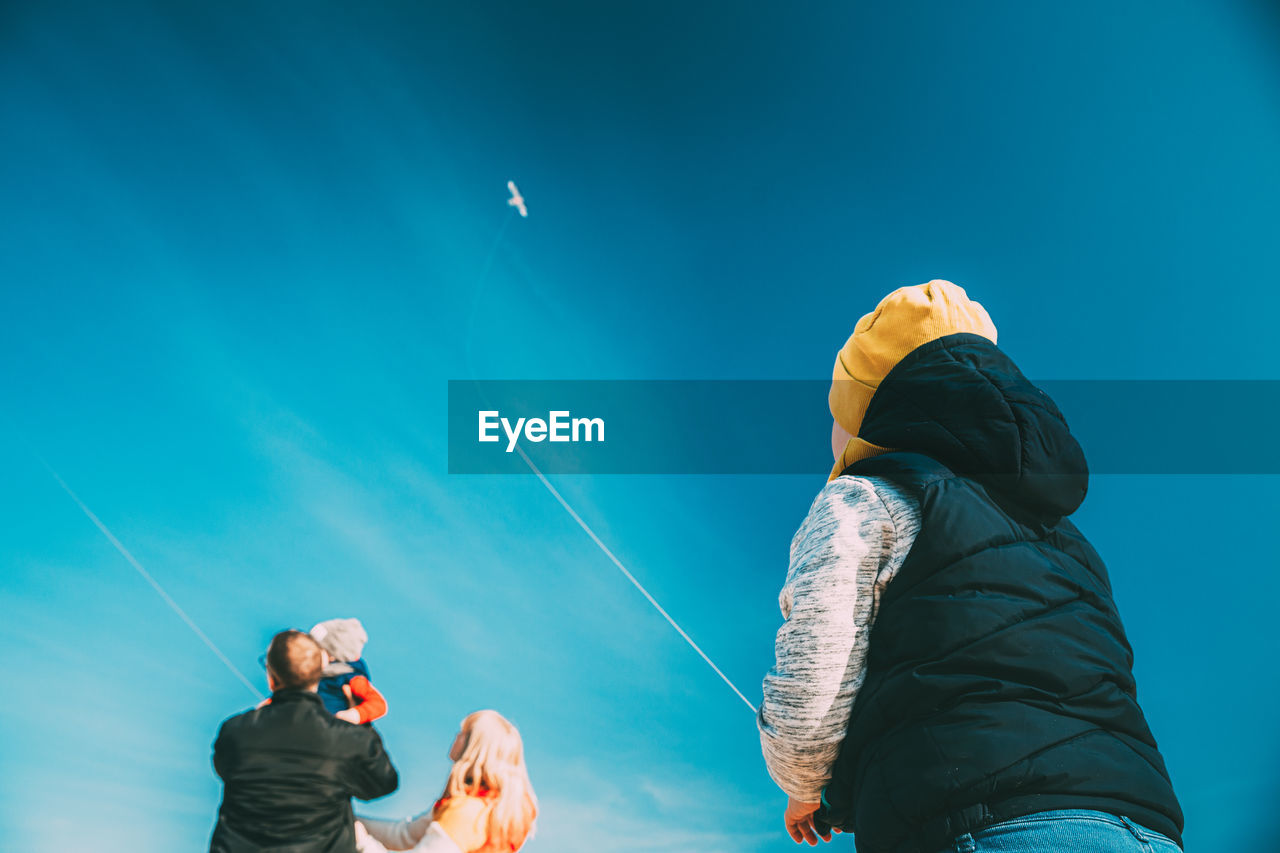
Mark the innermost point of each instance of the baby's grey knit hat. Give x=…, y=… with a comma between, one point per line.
x=343, y=639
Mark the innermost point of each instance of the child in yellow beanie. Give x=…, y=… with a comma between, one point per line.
x=905, y=319
x=952, y=667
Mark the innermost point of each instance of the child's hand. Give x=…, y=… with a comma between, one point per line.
x=799, y=821
x=351, y=714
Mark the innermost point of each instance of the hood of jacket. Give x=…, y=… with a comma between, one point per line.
x=960, y=400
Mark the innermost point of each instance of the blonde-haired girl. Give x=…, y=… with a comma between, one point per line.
x=488, y=804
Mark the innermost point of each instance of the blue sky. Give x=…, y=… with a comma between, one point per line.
x=242, y=245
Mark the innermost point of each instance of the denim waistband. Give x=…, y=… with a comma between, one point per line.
x=1053, y=814
x=965, y=842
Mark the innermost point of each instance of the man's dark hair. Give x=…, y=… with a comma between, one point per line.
x=294, y=658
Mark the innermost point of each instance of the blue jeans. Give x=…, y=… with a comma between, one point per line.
x=1073, y=830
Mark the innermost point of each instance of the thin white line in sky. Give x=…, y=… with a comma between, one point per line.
x=146, y=576
x=475, y=298
x=605, y=548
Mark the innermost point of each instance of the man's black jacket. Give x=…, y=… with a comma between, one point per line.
x=289, y=770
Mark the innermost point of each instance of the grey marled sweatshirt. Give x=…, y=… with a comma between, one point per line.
x=848, y=549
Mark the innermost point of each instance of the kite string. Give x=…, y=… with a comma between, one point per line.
x=608, y=553
x=476, y=290
x=168, y=599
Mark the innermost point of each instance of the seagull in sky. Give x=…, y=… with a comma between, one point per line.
x=517, y=200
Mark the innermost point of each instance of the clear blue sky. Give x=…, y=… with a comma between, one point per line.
x=240, y=248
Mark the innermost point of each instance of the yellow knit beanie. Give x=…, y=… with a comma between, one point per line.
x=905, y=319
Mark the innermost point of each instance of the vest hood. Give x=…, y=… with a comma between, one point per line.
x=960, y=400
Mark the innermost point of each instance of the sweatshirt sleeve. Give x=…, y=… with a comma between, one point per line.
x=845, y=552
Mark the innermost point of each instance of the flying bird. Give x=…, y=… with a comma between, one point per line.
x=516, y=200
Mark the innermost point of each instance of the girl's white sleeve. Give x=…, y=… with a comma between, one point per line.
x=436, y=840
x=392, y=834
x=855, y=537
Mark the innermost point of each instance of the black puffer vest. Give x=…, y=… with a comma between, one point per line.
x=999, y=680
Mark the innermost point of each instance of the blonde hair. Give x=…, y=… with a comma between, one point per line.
x=493, y=760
